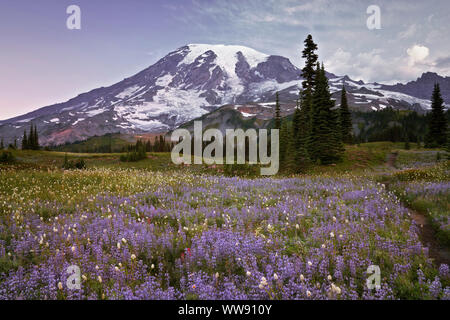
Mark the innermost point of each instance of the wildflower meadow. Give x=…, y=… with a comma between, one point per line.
x=180, y=234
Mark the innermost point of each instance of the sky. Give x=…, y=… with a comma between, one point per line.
x=42, y=62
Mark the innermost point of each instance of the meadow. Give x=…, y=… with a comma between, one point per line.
x=153, y=230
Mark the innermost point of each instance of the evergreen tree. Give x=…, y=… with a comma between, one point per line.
x=156, y=145
x=284, y=138
x=437, y=131
x=24, y=141
x=345, y=119
x=297, y=151
x=324, y=139
x=335, y=126
x=277, y=113
x=308, y=84
x=296, y=122
x=35, y=139
x=2, y=144
x=31, y=138
x=407, y=145
x=308, y=71
x=161, y=143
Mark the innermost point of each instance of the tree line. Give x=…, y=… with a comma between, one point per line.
x=160, y=144
x=30, y=141
x=138, y=151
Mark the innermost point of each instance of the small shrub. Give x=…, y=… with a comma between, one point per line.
x=71, y=164
x=7, y=157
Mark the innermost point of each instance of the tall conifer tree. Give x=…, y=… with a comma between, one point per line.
x=437, y=131
x=35, y=139
x=324, y=140
x=24, y=141
x=309, y=78
x=284, y=141
x=277, y=112
x=345, y=118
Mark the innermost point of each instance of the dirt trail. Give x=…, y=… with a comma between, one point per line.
x=391, y=159
x=427, y=234
x=428, y=238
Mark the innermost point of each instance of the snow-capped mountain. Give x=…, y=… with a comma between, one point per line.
x=186, y=84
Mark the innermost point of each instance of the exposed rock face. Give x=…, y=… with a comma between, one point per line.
x=192, y=81
x=422, y=87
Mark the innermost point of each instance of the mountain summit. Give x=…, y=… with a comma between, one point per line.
x=185, y=84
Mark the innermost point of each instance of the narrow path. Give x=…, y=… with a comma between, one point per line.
x=391, y=159
x=427, y=234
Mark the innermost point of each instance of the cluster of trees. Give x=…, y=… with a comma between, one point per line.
x=138, y=151
x=135, y=152
x=10, y=146
x=30, y=141
x=390, y=125
x=159, y=145
x=405, y=126
x=318, y=130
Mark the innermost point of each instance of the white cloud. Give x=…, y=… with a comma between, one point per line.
x=375, y=66
x=417, y=54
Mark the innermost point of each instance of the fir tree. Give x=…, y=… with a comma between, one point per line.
x=345, y=119
x=296, y=122
x=284, y=138
x=2, y=144
x=30, y=137
x=156, y=145
x=437, y=131
x=407, y=145
x=35, y=139
x=161, y=143
x=277, y=113
x=308, y=71
x=324, y=140
x=24, y=141
x=308, y=84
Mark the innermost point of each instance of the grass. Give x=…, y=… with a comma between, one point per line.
x=357, y=159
